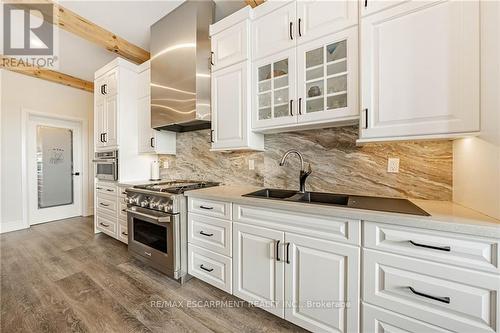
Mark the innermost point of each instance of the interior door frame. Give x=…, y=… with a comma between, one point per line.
x=26, y=114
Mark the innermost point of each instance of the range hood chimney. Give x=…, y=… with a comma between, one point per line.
x=180, y=73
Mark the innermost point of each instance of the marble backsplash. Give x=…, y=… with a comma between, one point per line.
x=338, y=164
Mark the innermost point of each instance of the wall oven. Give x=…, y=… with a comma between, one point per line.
x=106, y=165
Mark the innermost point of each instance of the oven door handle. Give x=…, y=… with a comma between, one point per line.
x=159, y=219
x=111, y=160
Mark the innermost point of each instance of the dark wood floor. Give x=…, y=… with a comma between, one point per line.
x=60, y=277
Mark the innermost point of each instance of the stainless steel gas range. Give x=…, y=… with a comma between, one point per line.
x=157, y=225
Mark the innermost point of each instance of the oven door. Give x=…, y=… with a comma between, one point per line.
x=106, y=169
x=152, y=238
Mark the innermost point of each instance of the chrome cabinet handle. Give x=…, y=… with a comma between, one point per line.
x=277, y=251
x=287, y=259
x=205, y=234
x=205, y=207
x=103, y=204
x=206, y=269
x=440, y=248
x=147, y=253
x=104, y=224
x=436, y=298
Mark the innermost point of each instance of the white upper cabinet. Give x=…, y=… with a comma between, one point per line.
x=327, y=78
x=317, y=18
x=230, y=46
x=368, y=7
x=105, y=115
x=274, y=91
x=274, y=28
x=420, y=70
x=231, y=84
x=149, y=140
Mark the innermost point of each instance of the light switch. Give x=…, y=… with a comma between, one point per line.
x=251, y=164
x=393, y=165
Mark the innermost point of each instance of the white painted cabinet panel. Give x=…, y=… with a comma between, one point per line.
x=210, y=267
x=327, y=78
x=99, y=122
x=368, y=7
x=378, y=320
x=275, y=31
x=231, y=121
x=230, y=46
x=211, y=233
x=420, y=70
x=458, y=299
x=317, y=18
x=111, y=115
x=321, y=272
x=258, y=273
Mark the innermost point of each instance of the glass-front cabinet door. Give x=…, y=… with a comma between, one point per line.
x=326, y=78
x=274, y=91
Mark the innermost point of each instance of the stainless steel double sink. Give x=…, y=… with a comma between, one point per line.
x=393, y=205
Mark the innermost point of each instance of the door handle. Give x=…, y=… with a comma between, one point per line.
x=278, y=251
x=205, y=234
x=206, y=269
x=104, y=87
x=76, y=174
x=440, y=248
x=287, y=258
x=436, y=298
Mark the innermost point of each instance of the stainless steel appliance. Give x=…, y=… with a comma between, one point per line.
x=106, y=165
x=157, y=225
x=180, y=73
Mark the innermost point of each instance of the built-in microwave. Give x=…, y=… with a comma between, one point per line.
x=106, y=165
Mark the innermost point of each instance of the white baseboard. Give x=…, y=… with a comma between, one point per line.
x=12, y=226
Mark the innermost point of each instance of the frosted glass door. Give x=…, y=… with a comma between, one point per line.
x=54, y=166
x=327, y=77
x=275, y=91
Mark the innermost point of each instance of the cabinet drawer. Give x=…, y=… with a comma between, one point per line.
x=212, y=208
x=210, y=267
x=122, y=213
x=123, y=233
x=457, y=299
x=449, y=248
x=318, y=226
x=107, y=203
x=106, y=188
x=210, y=233
x=378, y=320
x=105, y=224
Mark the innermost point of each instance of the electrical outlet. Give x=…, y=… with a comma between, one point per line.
x=166, y=164
x=251, y=164
x=393, y=165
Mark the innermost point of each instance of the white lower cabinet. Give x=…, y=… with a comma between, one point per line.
x=378, y=320
x=258, y=267
x=307, y=281
x=110, y=214
x=210, y=267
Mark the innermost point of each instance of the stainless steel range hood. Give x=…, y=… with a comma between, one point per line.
x=180, y=73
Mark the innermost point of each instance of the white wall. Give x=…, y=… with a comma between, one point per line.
x=476, y=161
x=20, y=91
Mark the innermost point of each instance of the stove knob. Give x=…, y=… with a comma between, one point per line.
x=153, y=204
x=144, y=203
x=161, y=207
x=168, y=208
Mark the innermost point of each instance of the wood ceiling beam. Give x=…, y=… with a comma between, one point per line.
x=78, y=25
x=254, y=3
x=13, y=65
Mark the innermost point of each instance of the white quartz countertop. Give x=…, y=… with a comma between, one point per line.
x=445, y=215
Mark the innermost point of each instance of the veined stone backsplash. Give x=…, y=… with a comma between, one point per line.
x=338, y=165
